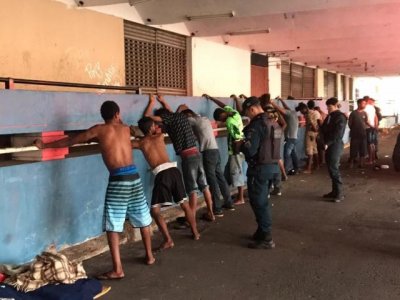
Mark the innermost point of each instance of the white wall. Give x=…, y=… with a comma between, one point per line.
x=320, y=83
x=220, y=70
x=385, y=90
x=274, y=76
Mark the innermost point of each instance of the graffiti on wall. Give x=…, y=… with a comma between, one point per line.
x=104, y=76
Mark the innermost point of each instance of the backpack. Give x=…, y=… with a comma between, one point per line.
x=270, y=148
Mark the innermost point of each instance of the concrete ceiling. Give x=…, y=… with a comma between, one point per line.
x=354, y=37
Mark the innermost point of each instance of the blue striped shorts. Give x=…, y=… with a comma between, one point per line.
x=125, y=199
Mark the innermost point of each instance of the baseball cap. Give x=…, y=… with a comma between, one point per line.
x=250, y=102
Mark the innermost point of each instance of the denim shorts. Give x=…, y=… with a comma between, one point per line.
x=372, y=136
x=235, y=170
x=193, y=173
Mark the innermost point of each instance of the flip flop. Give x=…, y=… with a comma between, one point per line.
x=207, y=218
x=107, y=276
x=181, y=225
x=104, y=291
x=239, y=202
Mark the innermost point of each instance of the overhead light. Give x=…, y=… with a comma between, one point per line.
x=277, y=53
x=247, y=32
x=346, y=61
x=134, y=2
x=230, y=14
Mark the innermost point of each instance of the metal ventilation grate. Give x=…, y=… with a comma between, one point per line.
x=155, y=60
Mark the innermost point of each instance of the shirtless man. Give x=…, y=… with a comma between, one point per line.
x=168, y=182
x=184, y=141
x=116, y=149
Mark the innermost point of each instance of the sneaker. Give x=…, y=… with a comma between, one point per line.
x=276, y=192
x=229, y=206
x=329, y=195
x=292, y=172
x=338, y=199
x=258, y=235
x=219, y=213
x=262, y=244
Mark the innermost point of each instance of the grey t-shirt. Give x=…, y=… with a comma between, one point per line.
x=292, y=124
x=204, y=132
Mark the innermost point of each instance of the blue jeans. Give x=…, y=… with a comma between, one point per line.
x=332, y=157
x=258, y=181
x=291, y=160
x=215, y=178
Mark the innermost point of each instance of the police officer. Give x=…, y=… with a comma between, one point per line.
x=261, y=148
x=333, y=130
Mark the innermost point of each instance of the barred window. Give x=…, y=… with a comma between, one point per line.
x=155, y=60
x=297, y=81
x=330, y=84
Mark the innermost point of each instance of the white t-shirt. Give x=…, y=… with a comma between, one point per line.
x=371, y=113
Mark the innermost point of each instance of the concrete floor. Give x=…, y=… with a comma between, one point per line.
x=324, y=250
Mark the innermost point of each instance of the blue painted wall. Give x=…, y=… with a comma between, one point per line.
x=61, y=201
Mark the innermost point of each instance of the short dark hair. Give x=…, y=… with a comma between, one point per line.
x=188, y=112
x=301, y=106
x=361, y=100
x=332, y=101
x=290, y=98
x=161, y=112
x=145, y=123
x=265, y=97
x=108, y=110
x=311, y=104
x=217, y=113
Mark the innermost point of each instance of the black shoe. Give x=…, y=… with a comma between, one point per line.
x=258, y=235
x=181, y=220
x=228, y=207
x=262, y=244
x=276, y=192
x=292, y=172
x=329, y=195
x=219, y=213
x=338, y=199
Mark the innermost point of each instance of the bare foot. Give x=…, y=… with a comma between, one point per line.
x=307, y=172
x=150, y=260
x=196, y=236
x=166, y=245
x=111, y=276
x=238, y=202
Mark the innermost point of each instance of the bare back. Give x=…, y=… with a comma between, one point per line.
x=115, y=145
x=154, y=150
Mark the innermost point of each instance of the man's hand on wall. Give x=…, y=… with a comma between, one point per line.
x=38, y=143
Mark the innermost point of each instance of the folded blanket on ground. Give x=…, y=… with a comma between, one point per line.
x=83, y=289
x=47, y=268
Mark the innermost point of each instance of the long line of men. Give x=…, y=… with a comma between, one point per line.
x=267, y=143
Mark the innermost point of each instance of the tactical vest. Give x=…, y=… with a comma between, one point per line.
x=270, y=146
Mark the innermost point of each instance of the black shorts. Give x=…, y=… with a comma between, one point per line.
x=168, y=186
x=358, y=147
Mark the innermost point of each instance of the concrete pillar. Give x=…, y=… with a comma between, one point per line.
x=319, y=83
x=339, y=87
x=274, y=76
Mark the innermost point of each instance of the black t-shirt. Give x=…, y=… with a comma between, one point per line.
x=358, y=124
x=179, y=130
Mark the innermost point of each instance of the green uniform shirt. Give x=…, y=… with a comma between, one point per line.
x=234, y=125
